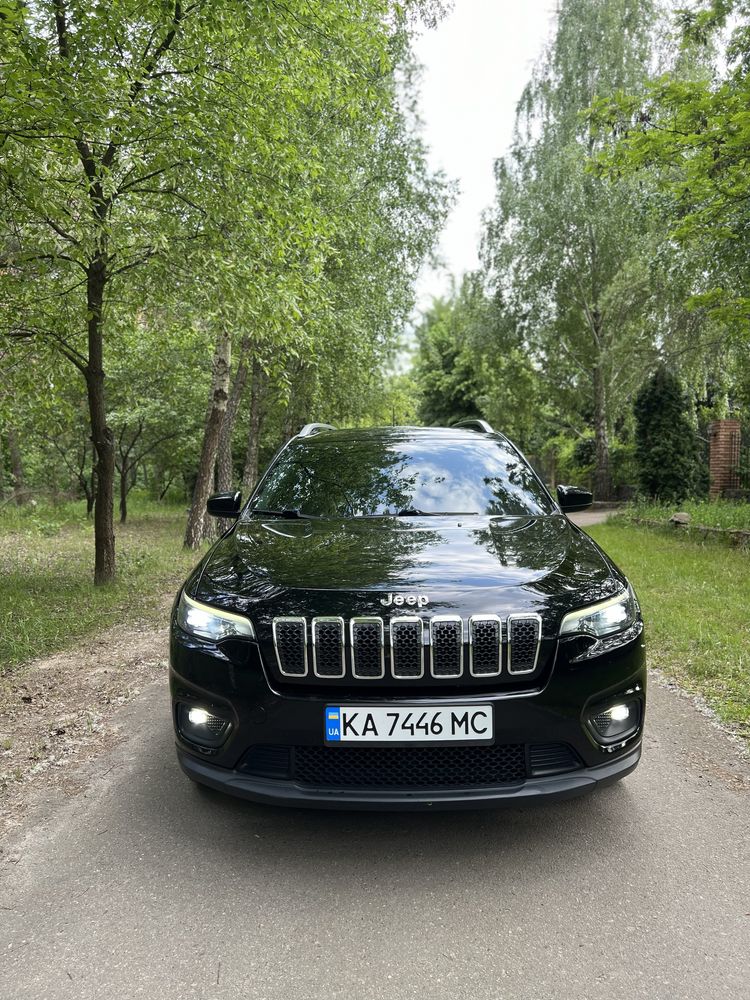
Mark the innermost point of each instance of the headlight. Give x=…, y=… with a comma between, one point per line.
x=601, y=619
x=602, y=627
x=211, y=623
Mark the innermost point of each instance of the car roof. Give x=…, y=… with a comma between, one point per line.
x=401, y=433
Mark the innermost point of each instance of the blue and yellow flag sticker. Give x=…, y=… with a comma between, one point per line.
x=333, y=724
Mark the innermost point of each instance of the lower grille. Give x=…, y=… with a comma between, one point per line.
x=552, y=758
x=267, y=762
x=410, y=767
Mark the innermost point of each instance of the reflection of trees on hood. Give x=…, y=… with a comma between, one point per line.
x=534, y=544
x=352, y=553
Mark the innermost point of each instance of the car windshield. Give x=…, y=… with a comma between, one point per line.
x=379, y=476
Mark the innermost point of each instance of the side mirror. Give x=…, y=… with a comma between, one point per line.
x=573, y=498
x=225, y=504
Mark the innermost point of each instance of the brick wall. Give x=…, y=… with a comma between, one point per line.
x=724, y=455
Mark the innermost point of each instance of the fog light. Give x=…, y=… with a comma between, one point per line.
x=619, y=713
x=199, y=716
x=200, y=726
x=616, y=722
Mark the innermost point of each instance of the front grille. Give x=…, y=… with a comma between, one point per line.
x=486, y=645
x=367, y=647
x=410, y=767
x=290, y=641
x=444, y=647
x=407, y=647
x=328, y=647
x=524, y=632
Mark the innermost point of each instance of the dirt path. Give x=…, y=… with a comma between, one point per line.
x=585, y=518
x=57, y=712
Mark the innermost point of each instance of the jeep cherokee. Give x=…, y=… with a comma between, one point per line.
x=404, y=617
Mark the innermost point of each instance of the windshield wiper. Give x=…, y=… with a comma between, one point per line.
x=290, y=512
x=415, y=512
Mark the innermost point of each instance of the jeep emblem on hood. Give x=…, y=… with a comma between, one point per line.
x=413, y=600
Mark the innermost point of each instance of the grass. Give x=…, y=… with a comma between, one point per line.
x=47, y=599
x=710, y=513
x=695, y=602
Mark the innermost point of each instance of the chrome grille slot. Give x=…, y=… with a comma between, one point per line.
x=328, y=647
x=368, y=661
x=485, y=645
x=446, y=646
x=407, y=647
x=524, y=638
x=290, y=644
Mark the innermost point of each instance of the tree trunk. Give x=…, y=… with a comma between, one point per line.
x=224, y=463
x=124, y=495
x=602, y=478
x=16, y=466
x=250, y=471
x=86, y=484
x=196, y=525
x=91, y=491
x=101, y=433
x=163, y=493
x=290, y=418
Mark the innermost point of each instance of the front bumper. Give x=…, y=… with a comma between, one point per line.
x=237, y=688
x=287, y=793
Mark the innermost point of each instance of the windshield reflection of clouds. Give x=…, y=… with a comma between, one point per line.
x=376, y=476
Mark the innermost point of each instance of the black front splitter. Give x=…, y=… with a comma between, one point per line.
x=288, y=793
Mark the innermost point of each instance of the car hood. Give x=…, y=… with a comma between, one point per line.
x=334, y=566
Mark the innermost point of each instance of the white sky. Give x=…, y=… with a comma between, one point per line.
x=476, y=63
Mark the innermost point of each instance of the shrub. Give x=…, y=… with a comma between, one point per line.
x=667, y=449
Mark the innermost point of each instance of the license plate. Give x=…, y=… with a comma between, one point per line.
x=407, y=724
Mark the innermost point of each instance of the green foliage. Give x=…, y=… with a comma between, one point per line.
x=584, y=288
x=471, y=362
x=726, y=514
x=572, y=460
x=232, y=165
x=446, y=370
x=691, y=138
x=573, y=258
x=694, y=602
x=667, y=452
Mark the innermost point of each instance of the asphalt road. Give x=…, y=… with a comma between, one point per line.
x=145, y=886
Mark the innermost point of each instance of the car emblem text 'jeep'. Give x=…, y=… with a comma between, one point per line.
x=413, y=600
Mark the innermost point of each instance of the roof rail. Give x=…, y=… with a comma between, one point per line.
x=480, y=425
x=309, y=429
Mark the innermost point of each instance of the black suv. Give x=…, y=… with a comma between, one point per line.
x=404, y=617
